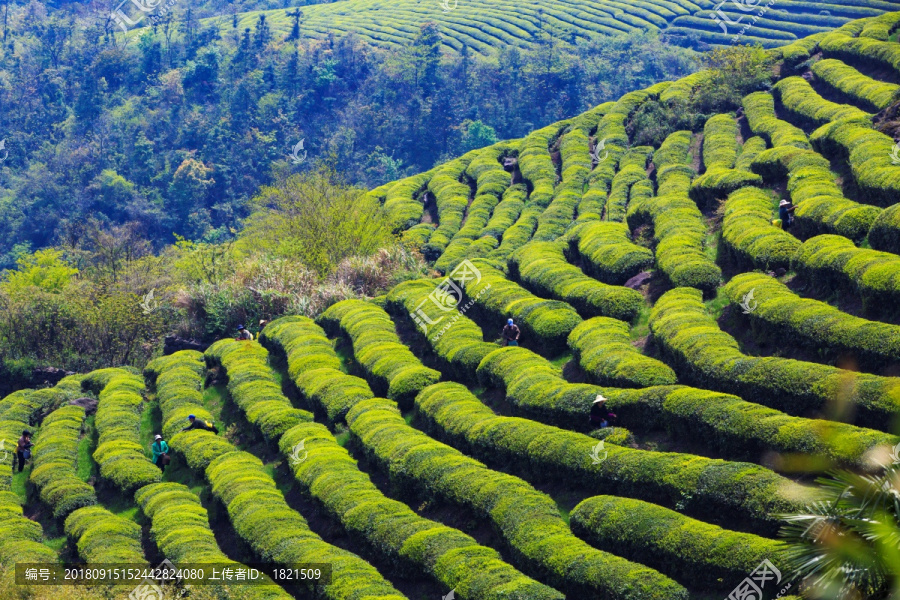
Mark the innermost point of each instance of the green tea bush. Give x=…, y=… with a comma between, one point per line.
x=542, y=267
x=799, y=52
x=314, y=367
x=759, y=108
x=687, y=549
x=802, y=102
x=869, y=154
x=813, y=323
x=748, y=236
x=401, y=201
x=617, y=203
x=254, y=387
x=456, y=340
x=884, y=234
x=102, y=537
x=506, y=213
x=718, y=184
x=418, y=235
x=180, y=527
x=694, y=484
x=55, y=452
x=528, y=520
x=866, y=50
x=834, y=260
x=413, y=544
x=607, y=252
x=604, y=350
x=720, y=146
x=452, y=199
x=119, y=453
x=875, y=95
x=710, y=358
x=545, y=324
x=395, y=371
x=880, y=27
x=20, y=537
x=751, y=148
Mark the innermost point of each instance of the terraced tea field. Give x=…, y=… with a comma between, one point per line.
x=397, y=440
x=484, y=26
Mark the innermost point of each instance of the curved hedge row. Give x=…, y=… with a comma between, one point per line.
x=119, y=452
x=456, y=340
x=832, y=259
x=720, y=146
x=802, y=102
x=20, y=537
x=506, y=213
x=521, y=231
x=741, y=430
x=394, y=369
x=528, y=520
x=55, y=453
x=491, y=182
x=394, y=531
x=711, y=358
x=102, y=537
x=256, y=507
x=748, y=236
x=759, y=108
x=875, y=95
x=813, y=323
x=604, y=350
x=538, y=170
x=681, y=547
x=401, y=202
x=628, y=176
x=884, y=234
x=880, y=27
x=750, y=150
x=607, y=252
x=678, y=225
x=542, y=266
x=254, y=387
x=739, y=493
x=180, y=527
x=567, y=194
x=314, y=367
x=452, y=199
x=545, y=324
x=864, y=50
x=719, y=183
x=869, y=154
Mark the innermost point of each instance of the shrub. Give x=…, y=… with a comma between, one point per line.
x=813, y=323
x=884, y=234
x=749, y=237
x=706, y=555
x=719, y=183
x=528, y=520
x=720, y=145
x=807, y=106
x=875, y=95
x=751, y=148
x=55, y=453
x=102, y=537
x=740, y=493
x=452, y=199
x=254, y=387
x=506, y=213
x=392, y=530
x=603, y=349
x=119, y=453
x=314, y=367
x=869, y=154
x=542, y=266
x=709, y=357
x=834, y=260
x=759, y=108
x=882, y=54
x=629, y=175
x=607, y=252
x=20, y=537
x=395, y=371
x=402, y=204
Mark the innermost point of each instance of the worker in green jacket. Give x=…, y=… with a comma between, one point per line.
x=160, y=450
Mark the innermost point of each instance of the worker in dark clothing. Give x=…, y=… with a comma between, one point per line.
x=510, y=334
x=600, y=415
x=198, y=424
x=23, y=449
x=244, y=334
x=785, y=208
